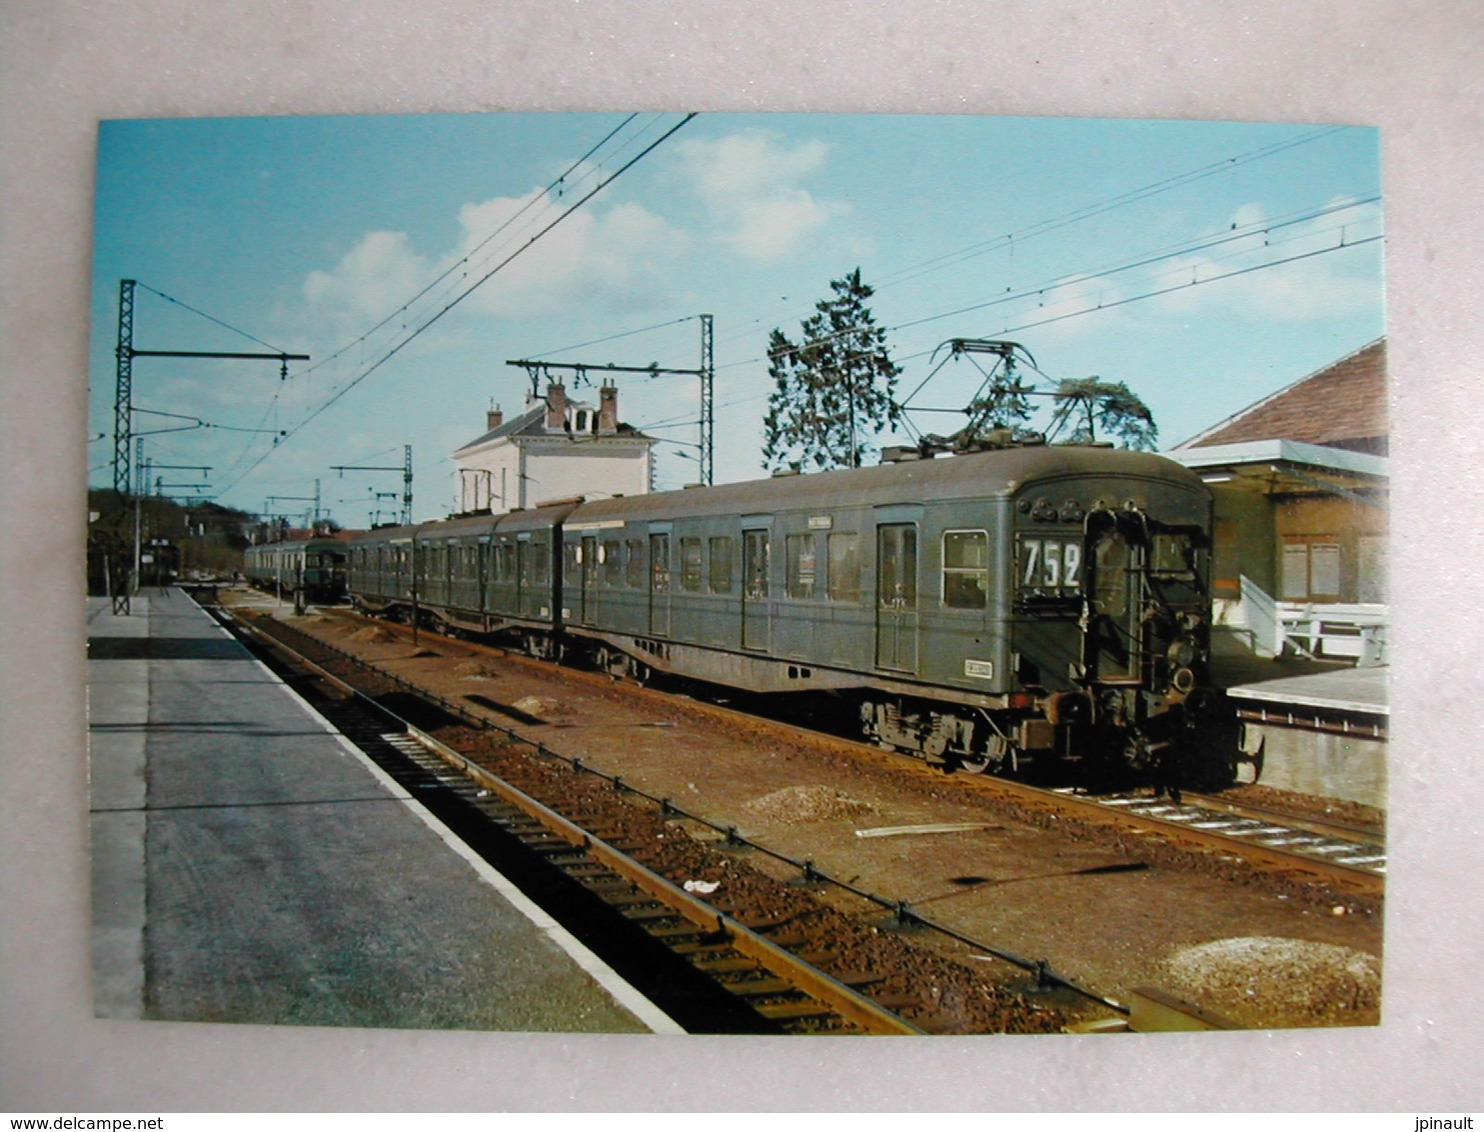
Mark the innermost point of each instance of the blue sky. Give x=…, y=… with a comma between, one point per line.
x=1143, y=252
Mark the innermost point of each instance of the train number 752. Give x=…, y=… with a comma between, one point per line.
x=1050, y=564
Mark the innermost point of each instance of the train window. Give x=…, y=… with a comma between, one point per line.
x=802, y=565
x=1172, y=556
x=755, y=564
x=572, y=563
x=690, y=565
x=965, y=569
x=505, y=563
x=634, y=567
x=1111, y=562
x=540, y=563
x=720, y=579
x=896, y=571
x=844, y=577
x=659, y=563
x=588, y=560
x=612, y=556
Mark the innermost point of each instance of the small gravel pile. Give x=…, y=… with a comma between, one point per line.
x=1263, y=981
x=371, y=633
x=805, y=804
x=542, y=707
x=474, y=670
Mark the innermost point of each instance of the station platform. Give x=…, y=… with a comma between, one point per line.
x=1317, y=728
x=251, y=865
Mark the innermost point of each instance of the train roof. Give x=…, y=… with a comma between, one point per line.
x=303, y=544
x=979, y=475
x=474, y=526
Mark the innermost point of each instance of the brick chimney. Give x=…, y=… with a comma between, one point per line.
x=556, y=407
x=607, y=410
x=494, y=419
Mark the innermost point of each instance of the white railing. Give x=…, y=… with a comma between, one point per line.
x=1314, y=629
x=1354, y=632
x=1259, y=615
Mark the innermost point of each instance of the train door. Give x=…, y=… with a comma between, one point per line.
x=484, y=565
x=755, y=608
x=523, y=570
x=659, y=583
x=1114, y=640
x=589, y=557
x=896, y=596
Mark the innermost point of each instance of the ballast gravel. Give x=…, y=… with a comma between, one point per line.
x=1266, y=981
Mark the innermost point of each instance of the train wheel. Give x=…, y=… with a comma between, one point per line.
x=997, y=756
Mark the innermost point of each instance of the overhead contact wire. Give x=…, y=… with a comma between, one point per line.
x=473, y=287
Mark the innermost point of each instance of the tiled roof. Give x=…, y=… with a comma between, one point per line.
x=1342, y=406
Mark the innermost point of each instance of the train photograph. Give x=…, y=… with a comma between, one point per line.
x=733, y=574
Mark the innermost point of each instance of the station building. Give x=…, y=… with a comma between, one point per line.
x=1301, y=487
x=555, y=449
x=1300, y=481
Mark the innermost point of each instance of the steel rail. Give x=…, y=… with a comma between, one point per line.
x=836, y=998
x=1351, y=878
x=1358, y=881
x=853, y=1007
x=903, y=911
x=1322, y=826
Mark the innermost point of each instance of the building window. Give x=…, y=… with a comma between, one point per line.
x=1311, y=570
x=843, y=581
x=965, y=569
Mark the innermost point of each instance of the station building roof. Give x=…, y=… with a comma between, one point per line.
x=1342, y=405
x=1325, y=433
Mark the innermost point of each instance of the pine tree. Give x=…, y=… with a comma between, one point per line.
x=1104, y=410
x=833, y=390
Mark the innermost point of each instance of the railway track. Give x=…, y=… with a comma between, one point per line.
x=776, y=984
x=1355, y=861
x=1349, y=861
x=785, y=962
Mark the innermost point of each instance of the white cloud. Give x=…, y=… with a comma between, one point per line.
x=377, y=275
x=1265, y=272
x=1320, y=280
x=594, y=258
x=751, y=184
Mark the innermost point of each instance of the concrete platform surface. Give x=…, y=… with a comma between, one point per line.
x=250, y=865
x=1341, y=689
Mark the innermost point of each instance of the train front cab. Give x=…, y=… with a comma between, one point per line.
x=1110, y=621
